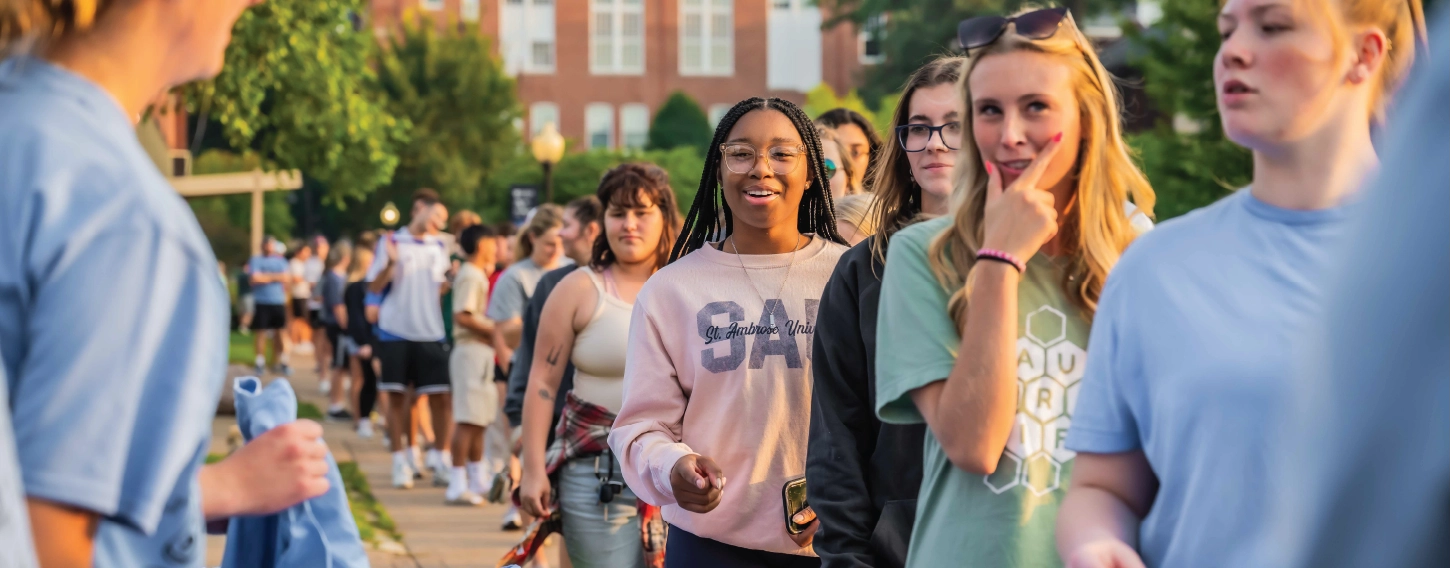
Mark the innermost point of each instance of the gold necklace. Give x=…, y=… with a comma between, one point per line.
x=771, y=318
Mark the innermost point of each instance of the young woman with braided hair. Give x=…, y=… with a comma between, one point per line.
x=714, y=422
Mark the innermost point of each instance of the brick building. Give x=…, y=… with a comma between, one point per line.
x=599, y=69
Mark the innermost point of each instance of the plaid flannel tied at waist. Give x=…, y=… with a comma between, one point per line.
x=582, y=432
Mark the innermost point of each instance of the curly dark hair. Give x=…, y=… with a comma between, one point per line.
x=710, y=217
x=636, y=185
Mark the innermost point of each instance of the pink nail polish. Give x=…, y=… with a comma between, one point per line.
x=1058, y=136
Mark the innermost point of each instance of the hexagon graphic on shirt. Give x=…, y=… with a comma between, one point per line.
x=1044, y=399
x=1025, y=437
x=1046, y=325
x=1041, y=474
x=1006, y=475
x=1029, y=359
x=1054, y=439
x=1065, y=361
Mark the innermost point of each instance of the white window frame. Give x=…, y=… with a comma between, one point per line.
x=705, y=10
x=865, y=33
x=431, y=5
x=542, y=112
x=618, y=11
x=469, y=10
x=603, y=110
x=627, y=130
x=519, y=22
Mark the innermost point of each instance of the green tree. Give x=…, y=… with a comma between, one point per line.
x=227, y=219
x=916, y=31
x=1196, y=164
x=580, y=173
x=823, y=99
x=297, y=89
x=679, y=122
x=461, y=106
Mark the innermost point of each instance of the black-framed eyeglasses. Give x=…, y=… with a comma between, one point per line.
x=915, y=137
x=831, y=167
x=984, y=30
x=742, y=158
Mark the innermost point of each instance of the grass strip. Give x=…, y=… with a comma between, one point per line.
x=370, y=516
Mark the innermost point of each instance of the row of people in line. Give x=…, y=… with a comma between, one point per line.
x=940, y=388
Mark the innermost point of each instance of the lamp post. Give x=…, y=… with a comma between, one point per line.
x=548, y=147
x=390, y=215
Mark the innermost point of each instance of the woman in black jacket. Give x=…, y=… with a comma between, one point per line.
x=863, y=475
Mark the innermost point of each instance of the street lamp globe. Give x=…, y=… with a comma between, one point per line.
x=390, y=214
x=548, y=147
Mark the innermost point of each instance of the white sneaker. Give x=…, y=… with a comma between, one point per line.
x=417, y=462
x=403, y=477
x=465, y=499
x=441, y=475
x=324, y=386
x=366, y=430
x=511, y=521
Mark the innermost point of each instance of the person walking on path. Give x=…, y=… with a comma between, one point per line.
x=359, y=342
x=268, y=273
x=412, y=263
x=713, y=426
x=587, y=322
x=472, y=368
x=867, y=511
x=331, y=313
x=113, y=319
x=1172, y=436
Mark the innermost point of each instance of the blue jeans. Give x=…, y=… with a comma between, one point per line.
x=596, y=534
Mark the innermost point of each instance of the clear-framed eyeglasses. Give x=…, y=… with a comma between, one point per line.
x=742, y=158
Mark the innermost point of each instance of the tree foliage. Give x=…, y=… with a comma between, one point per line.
x=461, y=106
x=680, y=122
x=297, y=89
x=580, y=173
x=1192, y=167
x=227, y=219
x=916, y=31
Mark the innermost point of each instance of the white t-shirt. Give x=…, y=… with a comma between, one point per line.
x=313, y=272
x=302, y=288
x=410, y=309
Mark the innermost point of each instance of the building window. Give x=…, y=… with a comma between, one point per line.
x=870, y=40
x=431, y=5
x=716, y=112
x=527, y=36
x=706, y=37
x=469, y=10
x=599, y=125
x=617, y=37
x=542, y=113
x=635, y=124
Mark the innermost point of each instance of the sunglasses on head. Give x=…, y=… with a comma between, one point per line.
x=984, y=30
x=831, y=167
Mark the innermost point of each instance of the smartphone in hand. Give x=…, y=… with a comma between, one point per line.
x=795, y=499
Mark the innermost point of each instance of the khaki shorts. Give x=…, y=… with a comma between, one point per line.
x=471, y=377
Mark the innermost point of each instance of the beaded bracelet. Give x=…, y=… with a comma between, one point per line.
x=1001, y=256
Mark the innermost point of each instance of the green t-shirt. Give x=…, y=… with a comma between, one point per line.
x=1006, y=519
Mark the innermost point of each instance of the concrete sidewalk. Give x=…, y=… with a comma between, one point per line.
x=434, y=535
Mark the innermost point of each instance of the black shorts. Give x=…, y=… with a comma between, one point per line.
x=269, y=316
x=423, y=365
x=300, y=307
x=315, y=319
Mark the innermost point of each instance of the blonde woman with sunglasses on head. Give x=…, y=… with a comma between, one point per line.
x=1193, y=359
x=984, y=313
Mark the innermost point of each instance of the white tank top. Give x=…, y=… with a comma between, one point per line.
x=600, y=350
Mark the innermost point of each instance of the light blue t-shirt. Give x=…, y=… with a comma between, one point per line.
x=113, y=319
x=1366, y=479
x=272, y=293
x=1191, y=361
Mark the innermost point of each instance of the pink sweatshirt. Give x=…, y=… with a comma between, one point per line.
x=704, y=375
